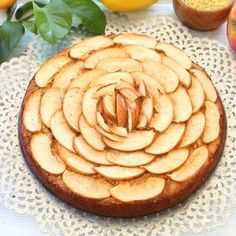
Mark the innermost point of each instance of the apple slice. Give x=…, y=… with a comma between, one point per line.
x=119, y=64
x=135, y=39
x=166, y=77
x=46, y=72
x=129, y=94
x=130, y=159
x=31, y=114
x=83, y=80
x=175, y=53
x=118, y=130
x=75, y=162
x=51, y=102
x=110, y=78
x=168, y=163
x=72, y=107
x=90, y=134
x=147, y=108
x=69, y=72
x=133, y=115
x=110, y=136
x=182, y=105
x=61, y=130
x=89, y=105
x=40, y=146
x=166, y=141
x=142, y=90
x=194, y=163
x=194, y=129
x=140, y=53
x=105, y=90
x=90, y=154
x=107, y=53
x=165, y=113
x=212, y=128
x=153, y=85
x=121, y=110
x=142, y=122
x=108, y=106
x=207, y=85
x=123, y=84
x=91, y=44
x=101, y=122
x=119, y=172
x=87, y=186
x=179, y=70
x=196, y=95
x=136, y=140
x=139, y=189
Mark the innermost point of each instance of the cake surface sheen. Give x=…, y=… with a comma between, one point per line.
x=122, y=125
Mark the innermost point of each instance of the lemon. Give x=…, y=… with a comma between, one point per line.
x=127, y=5
x=4, y=4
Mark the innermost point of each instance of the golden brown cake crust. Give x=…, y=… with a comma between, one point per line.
x=173, y=193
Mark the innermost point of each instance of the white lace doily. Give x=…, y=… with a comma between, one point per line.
x=21, y=191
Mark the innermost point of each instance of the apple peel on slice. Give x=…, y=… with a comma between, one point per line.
x=130, y=159
x=168, y=163
x=195, y=161
x=139, y=189
x=207, y=85
x=135, y=39
x=212, y=127
x=182, y=105
x=91, y=135
x=40, y=147
x=119, y=172
x=61, y=130
x=194, y=128
x=121, y=110
x=87, y=186
x=75, y=162
x=166, y=77
x=166, y=141
x=119, y=64
x=136, y=140
x=165, y=113
x=72, y=107
x=108, y=107
x=175, y=53
x=89, y=153
x=31, y=113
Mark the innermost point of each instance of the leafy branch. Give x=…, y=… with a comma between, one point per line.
x=51, y=19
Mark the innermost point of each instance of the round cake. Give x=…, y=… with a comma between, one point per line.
x=122, y=125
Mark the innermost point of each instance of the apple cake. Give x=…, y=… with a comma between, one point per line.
x=122, y=125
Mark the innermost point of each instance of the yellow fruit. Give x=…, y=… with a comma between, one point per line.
x=4, y=4
x=127, y=5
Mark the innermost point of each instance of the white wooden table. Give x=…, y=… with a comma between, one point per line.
x=13, y=224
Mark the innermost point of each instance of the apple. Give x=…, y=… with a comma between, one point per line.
x=231, y=27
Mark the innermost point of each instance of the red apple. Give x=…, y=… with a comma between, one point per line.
x=231, y=27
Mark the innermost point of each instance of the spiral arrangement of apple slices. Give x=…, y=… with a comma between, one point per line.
x=117, y=115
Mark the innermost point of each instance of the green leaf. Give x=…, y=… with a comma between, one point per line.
x=31, y=26
x=10, y=35
x=89, y=14
x=28, y=8
x=53, y=21
x=11, y=11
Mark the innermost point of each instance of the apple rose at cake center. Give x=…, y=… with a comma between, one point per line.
x=117, y=115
